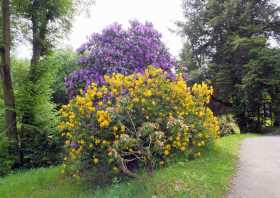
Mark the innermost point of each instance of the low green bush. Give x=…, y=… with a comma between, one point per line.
x=5, y=159
x=228, y=125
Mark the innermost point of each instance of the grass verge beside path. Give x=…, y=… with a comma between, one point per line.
x=208, y=176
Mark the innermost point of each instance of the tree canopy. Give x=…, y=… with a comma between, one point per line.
x=225, y=35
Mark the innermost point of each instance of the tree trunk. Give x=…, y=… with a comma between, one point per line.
x=9, y=100
x=276, y=110
x=277, y=119
x=36, y=47
x=242, y=121
x=39, y=32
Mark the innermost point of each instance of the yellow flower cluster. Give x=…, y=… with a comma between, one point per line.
x=121, y=118
x=203, y=92
x=103, y=118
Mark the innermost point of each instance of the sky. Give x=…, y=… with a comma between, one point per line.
x=162, y=13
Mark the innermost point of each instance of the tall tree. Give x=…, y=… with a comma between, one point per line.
x=223, y=33
x=5, y=71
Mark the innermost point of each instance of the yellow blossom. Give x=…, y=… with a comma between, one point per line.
x=147, y=93
x=166, y=152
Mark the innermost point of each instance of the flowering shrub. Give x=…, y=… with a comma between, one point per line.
x=116, y=50
x=228, y=125
x=135, y=121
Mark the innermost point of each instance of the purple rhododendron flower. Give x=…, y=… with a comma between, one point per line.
x=74, y=144
x=116, y=50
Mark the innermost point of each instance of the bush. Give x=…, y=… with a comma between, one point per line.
x=119, y=50
x=5, y=159
x=228, y=125
x=40, y=143
x=142, y=120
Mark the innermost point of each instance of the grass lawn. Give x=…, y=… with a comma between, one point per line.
x=208, y=176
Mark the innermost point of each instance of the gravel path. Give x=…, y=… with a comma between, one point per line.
x=258, y=175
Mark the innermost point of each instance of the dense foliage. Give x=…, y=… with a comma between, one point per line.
x=262, y=82
x=38, y=140
x=227, y=38
x=65, y=63
x=119, y=50
x=136, y=121
x=40, y=143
